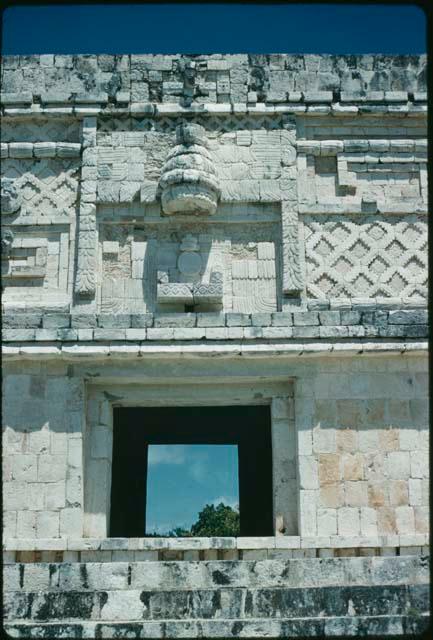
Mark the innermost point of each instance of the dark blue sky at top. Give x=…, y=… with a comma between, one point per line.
x=214, y=28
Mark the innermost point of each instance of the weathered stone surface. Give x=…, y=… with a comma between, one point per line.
x=306, y=291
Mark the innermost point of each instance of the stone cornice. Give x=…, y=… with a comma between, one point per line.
x=113, y=351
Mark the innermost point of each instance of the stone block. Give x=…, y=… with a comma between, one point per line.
x=156, y=333
x=24, y=468
x=409, y=317
x=282, y=319
x=238, y=320
x=21, y=320
x=306, y=332
x=110, y=334
x=47, y=524
x=261, y=319
x=405, y=519
x=324, y=440
x=329, y=468
x=83, y=320
x=419, y=466
x=308, y=472
x=356, y=494
x=56, y=320
x=111, y=321
x=175, y=320
x=140, y=334
x=18, y=335
x=141, y=320
x=415, y=492
x=398, y=465
x=348, y=521
x=330, y=318
x=326, y=522
x=333, y=332
x=188, y=334
x=216, y=333
x=278, y=333
x=305, y=318
x=251, y=333
x=353, y=466
x=210, y=320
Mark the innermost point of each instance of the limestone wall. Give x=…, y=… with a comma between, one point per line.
x=359, y=449
x=217, y=229
x=211, y=78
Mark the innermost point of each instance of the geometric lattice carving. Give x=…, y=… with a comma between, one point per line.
x=366, y=256
x=211, y=123
x=47, y=187
x=37, y=130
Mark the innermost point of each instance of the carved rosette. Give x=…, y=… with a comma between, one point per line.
x=188, y=183
x=10, y=197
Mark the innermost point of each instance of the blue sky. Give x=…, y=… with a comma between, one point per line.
x=213, y=28
x=182, y=479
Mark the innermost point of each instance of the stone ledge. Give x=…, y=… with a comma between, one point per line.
x=40, y=149
x=240, y=543
x=356, y=626
x=207, y=555
x=71, y=351
x=155, y=110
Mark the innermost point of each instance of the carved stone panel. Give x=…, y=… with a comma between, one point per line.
x=36, y=265
x=166, y=268
x=366, y=256
x=248, y=158
x=47, y=188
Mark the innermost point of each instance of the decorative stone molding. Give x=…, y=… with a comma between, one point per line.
x=191, y=289
x=188, y=183
x=417, y=544
x=7, y=238
x=85, y=280
x=11, y=198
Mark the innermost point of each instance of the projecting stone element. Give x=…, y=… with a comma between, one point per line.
x=191, y=289
x=189, y=262
x=188, y=183
x=10, y=197
x=7, y=238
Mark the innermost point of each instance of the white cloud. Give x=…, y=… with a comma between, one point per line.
x=166, y=454
x=230, y=501
x=199, y=469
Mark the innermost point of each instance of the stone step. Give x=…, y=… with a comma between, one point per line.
x=222, y=602
x=336, y=626
x=303, y=572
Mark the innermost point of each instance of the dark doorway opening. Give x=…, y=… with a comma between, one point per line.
x=136, y=429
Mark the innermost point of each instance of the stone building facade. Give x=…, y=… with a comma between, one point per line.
x=216, y=230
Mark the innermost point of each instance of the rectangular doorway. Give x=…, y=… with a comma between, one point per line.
x=170, y=462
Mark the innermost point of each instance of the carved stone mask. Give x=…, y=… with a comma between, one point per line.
x=7, y=237
x=10, y=197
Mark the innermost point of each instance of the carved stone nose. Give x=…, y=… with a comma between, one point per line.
x=188, y=183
